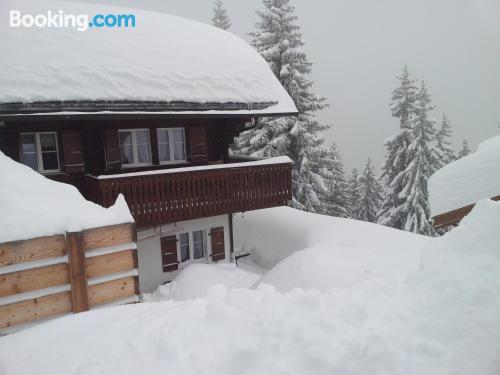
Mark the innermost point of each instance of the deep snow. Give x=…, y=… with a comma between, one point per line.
x=33, y=206
x=164, y=58
x=442, y=320
x=467, y=180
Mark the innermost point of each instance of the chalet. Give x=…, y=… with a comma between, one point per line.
x=457, y=187
x=148, y=112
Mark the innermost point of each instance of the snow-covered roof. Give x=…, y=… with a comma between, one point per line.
x=34, y=206
x=467, y=180
x=164, y=63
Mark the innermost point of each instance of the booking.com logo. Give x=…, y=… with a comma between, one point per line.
x=82, y=22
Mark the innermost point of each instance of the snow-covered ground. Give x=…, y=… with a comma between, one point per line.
x=441, y=319
x=33, y=206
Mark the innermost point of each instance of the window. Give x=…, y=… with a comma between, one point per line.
x=40, y=151
x=171, y=145
x=192, y=246
x=135, y=147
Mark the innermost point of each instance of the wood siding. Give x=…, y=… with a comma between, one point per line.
x=454, y=217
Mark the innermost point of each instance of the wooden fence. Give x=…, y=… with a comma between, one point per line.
x=169, y=196
x=48, y=276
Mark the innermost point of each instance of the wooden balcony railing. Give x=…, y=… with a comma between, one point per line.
x=167, y=196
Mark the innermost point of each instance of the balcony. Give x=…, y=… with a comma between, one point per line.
x=172, y=195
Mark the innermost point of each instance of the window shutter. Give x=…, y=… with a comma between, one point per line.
x=169, y=253
x=218, y=248
x=72, y=151
x=198, y=144
x=112, y=149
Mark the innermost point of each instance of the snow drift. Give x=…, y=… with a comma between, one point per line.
x=467, y=180
x=33, y=206
x=164, y=58
x=443, y=321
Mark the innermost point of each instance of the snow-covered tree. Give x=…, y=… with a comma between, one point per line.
x=336, y=197
x=353, y=193
x=403, y=107
x=465, y=149
x=279, y=41
x=423, y=161
x=220, y=18
x=370, y=195
x=443, y=138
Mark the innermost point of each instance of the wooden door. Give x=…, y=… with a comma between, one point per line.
x=218, y=248
x=169, y=259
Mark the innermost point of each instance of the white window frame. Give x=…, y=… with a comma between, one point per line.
x=171, y=146
x=133, y=133
x=191, y=259
x=38, y=151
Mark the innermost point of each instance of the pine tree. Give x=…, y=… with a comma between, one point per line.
x=423, y=161
x=336, y=197
x=443, y=141
x=279, y=41
x=465, y=149
x=353, y=194
x=370, y=195
x=220, y=18
x=403, y=107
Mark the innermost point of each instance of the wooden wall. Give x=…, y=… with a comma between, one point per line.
x=49, y=276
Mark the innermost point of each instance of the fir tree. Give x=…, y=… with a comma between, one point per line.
x=220, y=18
x=465, y=149
x=443, y=141
x=370, y=195
x=353, y=194
x=336, y=197
x=279, y=41
x=423, y=161
x=403, y=107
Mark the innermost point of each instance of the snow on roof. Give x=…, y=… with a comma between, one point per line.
x=467, y=180
x=34, y=206
x=163, y=59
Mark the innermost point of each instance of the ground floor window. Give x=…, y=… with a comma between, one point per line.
x=192, y=246
x=40, y=151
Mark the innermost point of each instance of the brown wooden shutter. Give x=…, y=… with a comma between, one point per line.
x=198, y=144
x=218, y=248
x=112, y=149
x=169, y=253
x=72, y=151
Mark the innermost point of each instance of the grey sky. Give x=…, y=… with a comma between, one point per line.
x=359, y=46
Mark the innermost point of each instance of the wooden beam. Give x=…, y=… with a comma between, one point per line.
x=111, y=235
x=113, y=290
x=77, y=271
x=30, y=250
x=33, y=309
x=454, y=217
x=33, y=279
x=111, y=263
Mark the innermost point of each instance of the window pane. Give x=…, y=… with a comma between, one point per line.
x=48, y=142
x=184, y=244
x=143, y=154
x=142, y=136
x=164, y=152
x=162, y=136
x=179, y=145
x=50, y=161
x=125, y=138
x=28, y=149
x=127, y=154
x=179, y=135
x=198, y=248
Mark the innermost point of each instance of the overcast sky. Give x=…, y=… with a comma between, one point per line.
x=359, y=46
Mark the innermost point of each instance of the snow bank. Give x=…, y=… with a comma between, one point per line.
x=195, y=280
x=164, y=58
x=33, y=206
x=442, y=321
x=467, y=180
x=272, y=234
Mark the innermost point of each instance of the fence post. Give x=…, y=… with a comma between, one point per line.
x=77, y=271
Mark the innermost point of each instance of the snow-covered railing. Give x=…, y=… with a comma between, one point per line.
x=172, y=195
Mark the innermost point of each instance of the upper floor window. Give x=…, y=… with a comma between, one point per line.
x=171, y=145
x=39, y=150
x=135, y=147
